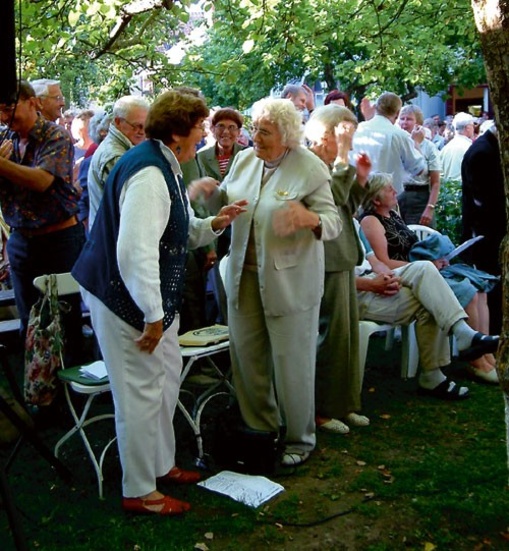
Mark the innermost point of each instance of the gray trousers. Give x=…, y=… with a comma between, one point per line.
x=424, y=298
x=338, y=380
x=273, y=365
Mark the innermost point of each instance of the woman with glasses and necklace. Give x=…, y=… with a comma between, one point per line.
x=274, y=278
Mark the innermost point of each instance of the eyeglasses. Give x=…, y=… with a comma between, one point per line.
x=135, y=126
x=264, y=133
x=231, y=128
x=200, y=126
x=58, y=98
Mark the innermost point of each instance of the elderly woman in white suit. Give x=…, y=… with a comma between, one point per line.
x=275, y=274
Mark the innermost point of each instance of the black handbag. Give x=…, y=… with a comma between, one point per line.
x=242, y=449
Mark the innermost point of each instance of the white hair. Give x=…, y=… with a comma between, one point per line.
x=283, y=114
x=125, y=104
x=461, y=120
x=325, y=119
x=41, y=86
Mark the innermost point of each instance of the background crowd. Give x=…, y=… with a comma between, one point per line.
x=143, y=200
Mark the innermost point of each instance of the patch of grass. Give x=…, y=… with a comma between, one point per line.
x=435, y=472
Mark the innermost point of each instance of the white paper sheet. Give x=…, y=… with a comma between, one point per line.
x=248, y=489
x=460, y=248
x=96, y=370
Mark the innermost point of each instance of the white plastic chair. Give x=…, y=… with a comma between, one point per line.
x=423, y=232
x=409, y=349
x=71, y=377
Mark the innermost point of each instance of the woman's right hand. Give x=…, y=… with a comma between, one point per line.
x=149, y=339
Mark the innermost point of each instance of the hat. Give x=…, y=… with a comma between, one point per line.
x=461, y=120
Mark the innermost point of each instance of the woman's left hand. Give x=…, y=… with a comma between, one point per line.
x=228, y=214
x=149, y=339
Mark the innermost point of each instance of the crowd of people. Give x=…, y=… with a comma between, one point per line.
x=142, y=203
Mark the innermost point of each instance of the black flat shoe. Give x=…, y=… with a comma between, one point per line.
x=446, y=390
x=481, y=344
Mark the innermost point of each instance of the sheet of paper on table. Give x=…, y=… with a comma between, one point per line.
x=96, y=370
x=251, y=490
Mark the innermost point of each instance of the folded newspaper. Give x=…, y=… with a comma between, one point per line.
x=251, y=490
x=96, y=370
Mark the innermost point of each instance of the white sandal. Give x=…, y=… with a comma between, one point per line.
x=334, y=426
x=292, y=459
x=357, y=420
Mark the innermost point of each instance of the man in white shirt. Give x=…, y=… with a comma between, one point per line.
x=390, y=148
x=452, y=153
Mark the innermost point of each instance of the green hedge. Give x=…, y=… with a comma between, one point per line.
x=448, y=210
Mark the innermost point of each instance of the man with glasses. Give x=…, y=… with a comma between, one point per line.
x=126, y=130
x=39, y=203
x=51, y=101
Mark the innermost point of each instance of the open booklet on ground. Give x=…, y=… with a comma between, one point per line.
x=251, y=490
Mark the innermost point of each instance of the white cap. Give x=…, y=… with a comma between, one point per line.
x=461, y=120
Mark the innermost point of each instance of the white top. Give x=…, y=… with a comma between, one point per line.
x=432, y=156
x=144, y=213
x=452, y=156
x=390, y=149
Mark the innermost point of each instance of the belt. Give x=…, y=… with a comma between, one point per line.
x=35, y=232
x=416, y=188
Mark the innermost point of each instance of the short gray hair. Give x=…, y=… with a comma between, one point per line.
x=430, y=123
x=41, y=85
x=291, y=90
x=325, y=119
x=462, y=120
x=413, y=109
x=99, y=125
x=125, y=104
x=283, y=114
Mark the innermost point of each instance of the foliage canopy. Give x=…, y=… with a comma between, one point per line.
x=96, y=47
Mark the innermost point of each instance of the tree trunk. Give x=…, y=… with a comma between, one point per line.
x=492, y=21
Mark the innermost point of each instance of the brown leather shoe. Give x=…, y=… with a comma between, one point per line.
x=179, y=476
x=162, y=506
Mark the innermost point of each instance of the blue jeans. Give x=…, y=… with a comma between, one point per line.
x=52, y=253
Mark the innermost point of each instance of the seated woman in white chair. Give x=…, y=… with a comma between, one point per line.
x=392, y=241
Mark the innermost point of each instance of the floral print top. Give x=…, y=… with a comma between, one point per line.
x=49, y=148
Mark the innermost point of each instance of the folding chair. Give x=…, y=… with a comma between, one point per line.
x=192, y=354
x=85, y=386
